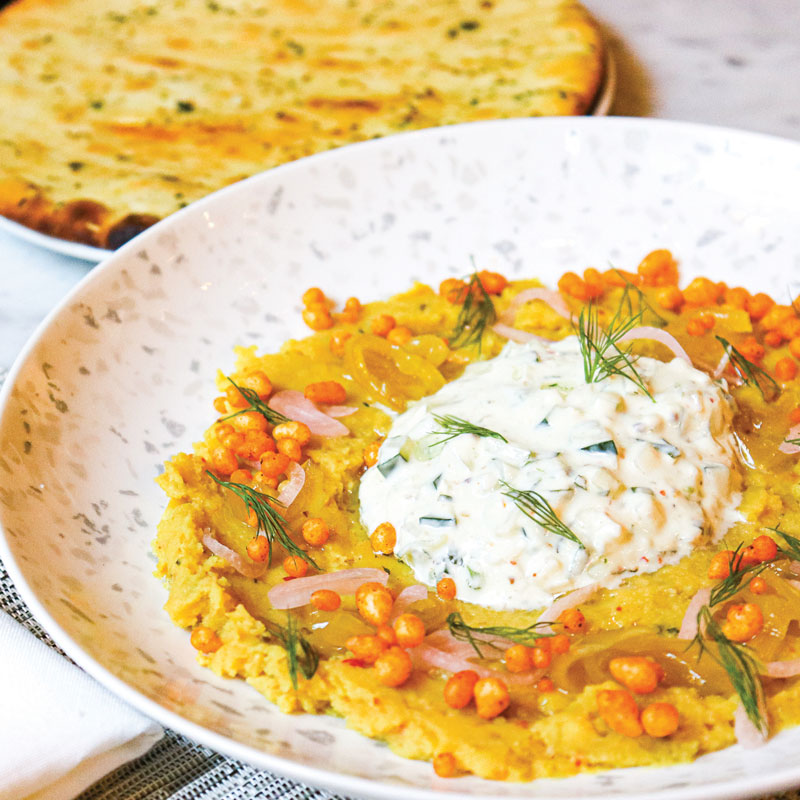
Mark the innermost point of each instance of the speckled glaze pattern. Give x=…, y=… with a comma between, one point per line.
x=121, y=376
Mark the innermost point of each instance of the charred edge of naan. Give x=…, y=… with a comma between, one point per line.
x=82, y=220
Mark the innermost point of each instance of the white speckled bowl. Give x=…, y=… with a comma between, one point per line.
x=121, y=376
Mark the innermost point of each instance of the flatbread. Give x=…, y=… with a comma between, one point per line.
x=115, y=116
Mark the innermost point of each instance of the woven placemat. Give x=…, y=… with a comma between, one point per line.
x=176, y=768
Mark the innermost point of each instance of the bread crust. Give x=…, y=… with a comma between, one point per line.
x=122, y=117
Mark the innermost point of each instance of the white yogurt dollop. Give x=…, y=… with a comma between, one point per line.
x=639, y=481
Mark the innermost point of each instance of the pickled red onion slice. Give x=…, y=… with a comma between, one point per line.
x=564, y=602
x=515, y=334
x=297, y=592
x=338, y=411
x=549, y=296
x=409, y=595
x=791, y=449
x=782, y=669
x=296, y=476
x=657, y=335
x=299, y=408
x=747, y=734
x=689, y=625
x=244, y=566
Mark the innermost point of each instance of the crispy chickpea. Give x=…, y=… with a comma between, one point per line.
x=298, y=431
x=274, y=464
x=620, y=278
x=290, y=448
x=317, y=317
x=545, y=685
x=314, y=296
x=669, y=297
x=205, y=640
x=241, y=476
x=235, y=398
x=393, y=667
x=758, y=305
x=386, y=632
x=752, y=350
x=658, y=268
x=258, y=382
x=453, y=290
x=573, y=620
x=366, y=647
x=399, y=335
x=786, y=369
x=736, y=296
x=790, y=328
x=261, y=482
x=374, y=602
x=326, y=600
x=220, y=405
x=252, y=518
x=223, y=461
x=794, y=414
x=541, y=656
x=559, y=644
x=776, y=316
x=747, y=558
x=637, y=673
x=249, y=421
x=595, y=285
x=315, y=531
x=384, y=538
x=255, y=444
x=444, y=765
x=518, y=658
x=773, y=338
x=258, y=548
x=492, y=282
x=701, y=292
x=328, y=392
x=743, y=621
x=337, y=341
x=409, y=630
x=295, y=567
x=491, y=697
x=382, y=324
x=371, y=453
x=720, y=567
x=758, y=585
x=446, y=588
x=573, y=285
x=619, y=711
x=351, y=311
x=460, y=688
x=660, y=720
x=794, y=347
x=694, y=327
x=232, y=440
x=765, y=548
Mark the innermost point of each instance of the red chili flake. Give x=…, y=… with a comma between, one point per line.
x=578, y=762
x=662, y=492
x=356, y=662
x=513, y=563
x=619, y=608
x=645, y=558
x=511, y=580
x=289, y=578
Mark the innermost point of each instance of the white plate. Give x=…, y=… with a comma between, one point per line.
x=121, y=375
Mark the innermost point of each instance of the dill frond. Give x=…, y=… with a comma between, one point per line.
x=642, y=302
x=528, y=636
x=791, y=546
x=738, y=662
x=452, y=426
x=533, y=505
x=751, y=373
x=600, y=348
x=476, y=315
x=299, y=651
x=270, y=521
x=256, y=404
x=729, y=586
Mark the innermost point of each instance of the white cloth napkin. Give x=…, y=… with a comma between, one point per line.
x=60, y=731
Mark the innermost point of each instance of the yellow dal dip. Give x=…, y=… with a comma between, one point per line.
x=555, y=733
